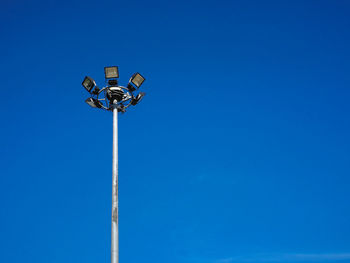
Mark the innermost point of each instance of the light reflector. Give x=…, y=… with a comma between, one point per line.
x=111, y=72
x=88, y=83
x=137, y=79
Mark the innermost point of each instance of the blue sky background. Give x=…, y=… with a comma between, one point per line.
x=239, y=153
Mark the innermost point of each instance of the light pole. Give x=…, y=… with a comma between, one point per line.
x=114, y=98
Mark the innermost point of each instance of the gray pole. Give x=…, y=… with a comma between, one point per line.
x=115, y=231
x=108, y=98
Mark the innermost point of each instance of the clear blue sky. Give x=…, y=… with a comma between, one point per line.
x=239, y=153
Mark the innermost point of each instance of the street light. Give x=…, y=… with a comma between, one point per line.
x=114, y=98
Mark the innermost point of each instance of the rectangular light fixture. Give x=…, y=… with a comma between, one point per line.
x=88, y=83
x=111, y=72
x=93, y=103
x=137, y=79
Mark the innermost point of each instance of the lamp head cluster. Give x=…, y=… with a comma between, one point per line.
x=114, y=95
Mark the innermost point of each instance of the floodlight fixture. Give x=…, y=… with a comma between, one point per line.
x=111, y=72
x=93, y=103
x=137, y=79
x=138, y=98
x=88, y=83
x=113, y=94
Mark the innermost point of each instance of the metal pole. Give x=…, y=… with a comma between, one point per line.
x=115, y=230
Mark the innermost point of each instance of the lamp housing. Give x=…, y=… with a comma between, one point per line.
x=93, y=103
x=111, y=72
x=88, y=83
x=138, y=98
x=137, y=79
